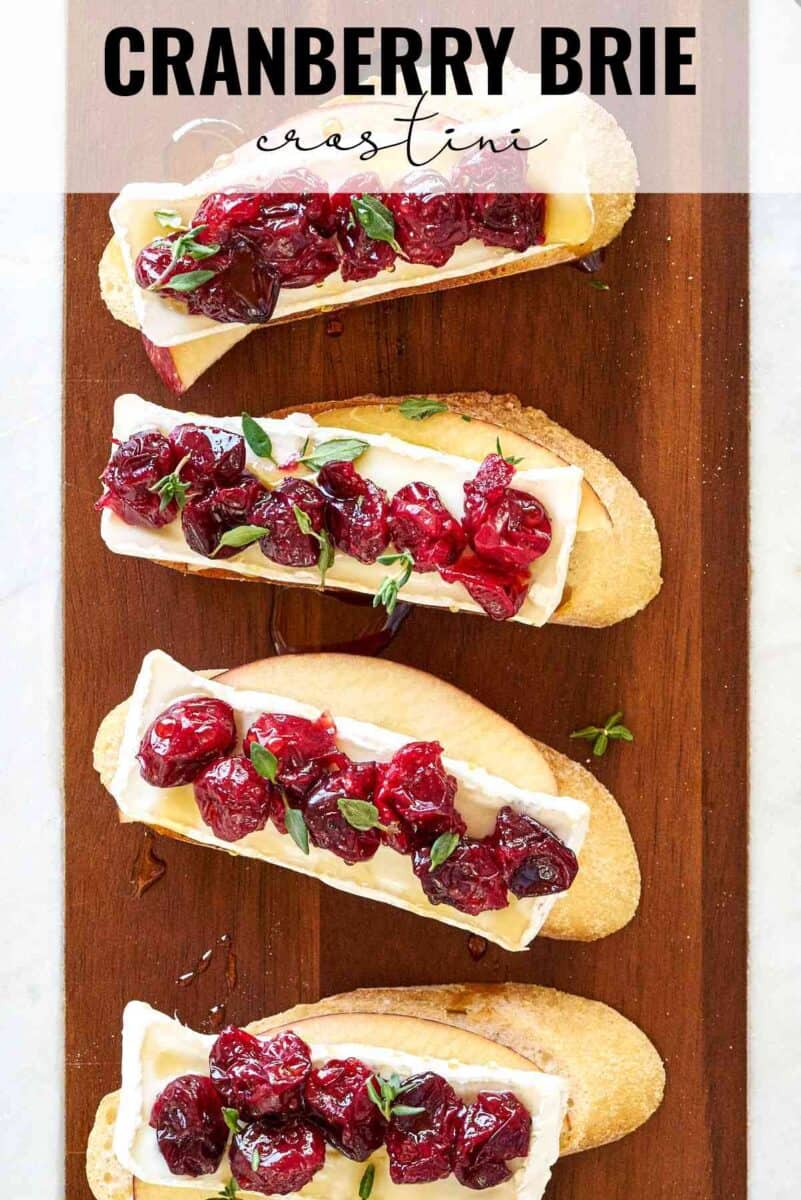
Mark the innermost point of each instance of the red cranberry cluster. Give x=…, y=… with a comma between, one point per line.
x=281, y=1112
x=246, y=246
x=291, y=765
x=199, y=473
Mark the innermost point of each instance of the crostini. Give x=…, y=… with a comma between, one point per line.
x=467, y=502
x=385, y=1092
x=379, y=780
x=197, y=267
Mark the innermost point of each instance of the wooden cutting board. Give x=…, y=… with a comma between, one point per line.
x=653, y=373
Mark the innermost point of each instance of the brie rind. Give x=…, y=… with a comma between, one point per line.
x=388, y=876
x=390, y=463
x=156, y=1049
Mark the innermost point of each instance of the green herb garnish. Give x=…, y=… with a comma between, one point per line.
x=240, y=536
x=366, y=1182
x=171, y=487
x=443, y=848
x=189, y=281
x=601, y=735
x=418, y=408
x=256, y=438
x=337, y=450
x=264, y=761
x=168, y=218
x=360, y=814
x=255, y=1160
x=231, y=1118
x=227, y=1193
x=599, y=285
x=326, y=555
x=375, y=219
x=296, y=827
x=387, y=594
x=384, y=1091
x=507, y=457
x=187, y=244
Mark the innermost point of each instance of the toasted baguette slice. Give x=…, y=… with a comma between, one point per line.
x=615, y=1075
x=615, y=563
x=606, y=891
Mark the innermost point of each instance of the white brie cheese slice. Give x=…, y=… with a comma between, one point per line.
x=388, y=876
x=156, y=1049
x=390, y=463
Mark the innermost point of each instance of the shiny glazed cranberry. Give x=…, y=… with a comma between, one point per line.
x=430, y=221
x=505, y=526
x=471, y=880
x=184, y=739
x=260, y=1076
x=362, y=257
x=356, y=511
x=328, y=828
x=136, y=465
x=503, y=219
x=216, y=456
x=205, y=518
x=234, y=800
x=285, y=543
x=338, y=1100
x=420, y=523
x=305, y=750
x=415, y=786
x=277, y=1157
x=535, y=862
x=494, y=1129
x=500, y=593
x=421, y=1147
x=190, y=1129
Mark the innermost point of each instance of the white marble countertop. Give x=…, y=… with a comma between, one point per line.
x=30, y=366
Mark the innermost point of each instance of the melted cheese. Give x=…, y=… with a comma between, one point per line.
x=156, y=1049
x=390, y=463
x=388, y=876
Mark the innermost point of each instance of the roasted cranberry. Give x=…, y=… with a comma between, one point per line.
x=190, y=1128
x=216, y=456
x=338, y=1100
x=356, y=511
x=535, y=862
x=277, y=1157
x=415, y=786
x=420, y=523
x=305, y=750
x=206, y=518
x=505, y=526
x=244, y=289
x=234, y=800
x=470, y=880
x=285, y=543
x=494, y=1129
x=501, y=211
x=184, y=739
x=260, y=1076
x=362, y=256
x=430, y=221
x=500, y=593
x=421, y=1146
x=154, y=265
x=134, y=468
x=328, y=828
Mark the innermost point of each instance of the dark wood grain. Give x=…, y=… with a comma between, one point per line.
x=653, y=373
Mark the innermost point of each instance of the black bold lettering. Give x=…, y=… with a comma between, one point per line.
x=495, y=51
x=113, y=61
x=220, y=65
x=308, y=56
x=675, y=60
x=266, y=60
x=354, y=60
x=394, y=59
x=560, y=48
x=602, y=58
x=166, y=60
x=444, y=60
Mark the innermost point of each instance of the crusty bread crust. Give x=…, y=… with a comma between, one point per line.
x=616, y=1077
x=614, y=572
x=606, y=892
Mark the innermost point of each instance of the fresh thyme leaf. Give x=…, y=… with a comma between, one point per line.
x=255, y=1159
x=189, y=281
x=187, y=244
x=601, y=735
x=326, y=556
x=360, y=814
x=417, y=408
x=443, y=848
x=375, y=219
x=406, y=1110
x=366, y=1182
x=387, y=593
x=384, y=1091
x=508, y=457
x=227, y=1193
x=171, y=487
x=296, y=827
x=256, y=438
x=599, y=285
x=264, y=761
x=337, y=450
x=168, y=218
x=304, y=521
x=231, y=1118
x=240, y=536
